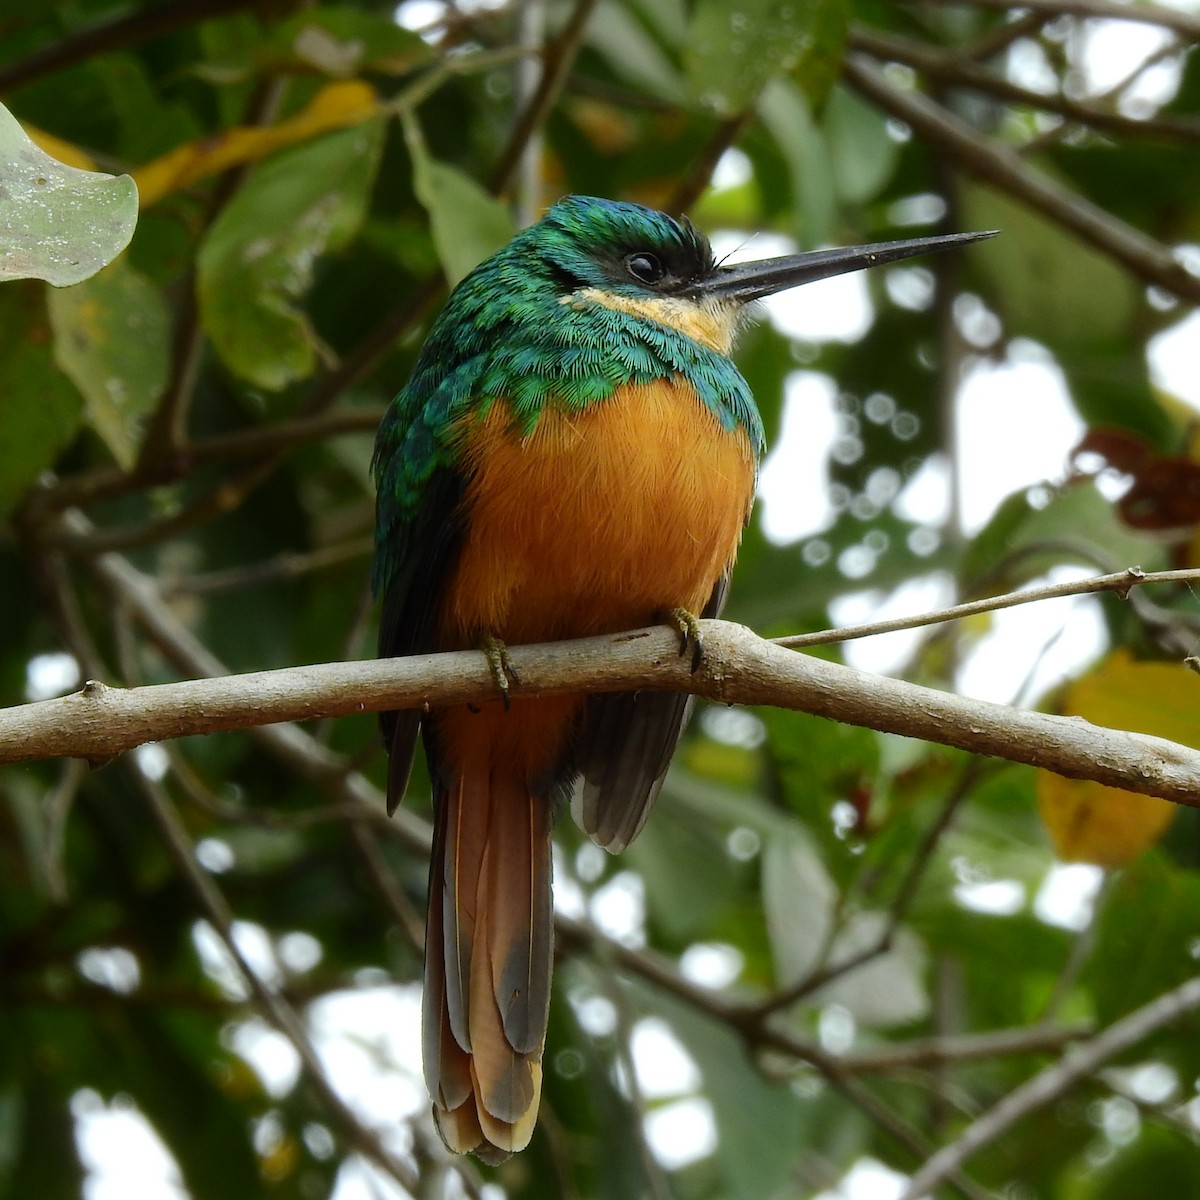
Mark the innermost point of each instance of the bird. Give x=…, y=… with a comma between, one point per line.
x=575, y=453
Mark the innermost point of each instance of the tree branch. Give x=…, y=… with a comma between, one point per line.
x=961, y=71
x=1046, y=1038
x=557, y=60
x=91, y=42
x=1003, y=168
x=99, y=722
x=1180, y=21
x=1048, y=1085
x=271, y=1003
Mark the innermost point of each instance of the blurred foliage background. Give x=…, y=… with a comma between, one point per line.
x=798, y=975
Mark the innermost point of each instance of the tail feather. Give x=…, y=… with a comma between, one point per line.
x=466, y=811
x=447, y=1065
x=510, y=1136
x=503, y=1081
x=487, y=962
x=516, y=894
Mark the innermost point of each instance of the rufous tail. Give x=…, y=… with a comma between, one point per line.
x=488, y=954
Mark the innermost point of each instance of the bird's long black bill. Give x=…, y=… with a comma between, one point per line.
x=754, y=280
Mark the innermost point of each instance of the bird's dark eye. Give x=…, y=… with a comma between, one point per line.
x=644, y=267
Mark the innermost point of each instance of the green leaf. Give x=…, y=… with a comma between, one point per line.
x=112, y=339
x=1160, y=1162
x=1047, y=283
x=799, y=901
x=468, y=223
x=812, y=759
x=687, y=872
x=11, y=1111
x=46, y=1164
x=1078, y=524
x=759, y=1122
x=733, y=50
x=887, y=990
x=1146, y=936
x=175, y=1067
x=668, y=18
x=57, y=223
x=633, y=54
x=342, y=42
x=863, y=155
x=39, y=409
x=258, y=259
x=784, y=111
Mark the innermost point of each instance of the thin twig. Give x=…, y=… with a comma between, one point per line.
x=1179, y=20
x=658, y=1185
x=990, y=44
x=197, y=793
x=103, y=483
x=961, y=71
x=578, y=935
x=288, y=565
x=281, y=1014
x=166, y=429
x=218, y=501
x=93, y=41
x=55, y=811
x=366, y=848
x=898, y=910
x=524, y=182
x=699, y=173
x=1003, y=167
x=1057, y=1079
x=1042, y=1038
x=1118, y=582
x=55, y=583
x=557, y=60
x=885, y=1118
x=377, y=345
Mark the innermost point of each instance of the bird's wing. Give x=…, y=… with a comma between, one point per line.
x=623, y=751
x=421, y=547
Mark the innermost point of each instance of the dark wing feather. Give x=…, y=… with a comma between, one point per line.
x=425, y=549
x=623, y=751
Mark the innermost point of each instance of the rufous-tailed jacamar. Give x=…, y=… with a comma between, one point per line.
x=574, y=454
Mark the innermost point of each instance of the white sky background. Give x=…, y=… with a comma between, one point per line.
x=369, y=1040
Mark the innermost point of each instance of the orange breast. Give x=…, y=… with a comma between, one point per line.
x=599, y=520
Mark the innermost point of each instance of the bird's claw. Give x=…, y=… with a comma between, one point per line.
x=503, y=672
x=690, y=635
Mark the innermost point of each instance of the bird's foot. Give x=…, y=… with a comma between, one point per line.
x=690, y=635
x=503, y=672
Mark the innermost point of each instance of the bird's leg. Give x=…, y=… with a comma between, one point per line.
x=688, y=625
x=496, y=653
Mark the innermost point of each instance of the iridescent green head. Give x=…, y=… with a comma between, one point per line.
x=640, y=253
x=621, y=248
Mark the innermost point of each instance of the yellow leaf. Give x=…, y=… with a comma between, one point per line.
x=281, y=1160
x=1088, y=822
x=334, y=107
x=609, y=129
